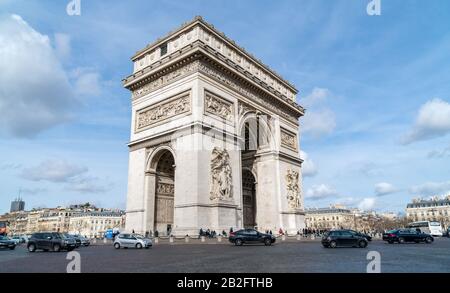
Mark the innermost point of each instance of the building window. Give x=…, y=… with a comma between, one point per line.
x=163, y=49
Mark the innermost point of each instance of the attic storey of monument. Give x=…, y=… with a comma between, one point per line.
x=225, y=129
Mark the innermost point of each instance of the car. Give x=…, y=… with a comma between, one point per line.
x=407, y=235
x=83, y=240
x=250, y=236
x=344, y=238
x=5, y=242
x=126, y=240
x=50, y=241
x=77, y=241
x=19, y=239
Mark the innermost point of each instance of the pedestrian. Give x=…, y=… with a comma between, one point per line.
x=156, y=233
x=231, y=230
x=133, y=231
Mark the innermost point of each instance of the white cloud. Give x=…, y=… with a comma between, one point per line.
x=319, y=119
x=439, y=154
x=431, y=188
x=87, y=83
x=384, y=188
x=321, y=191
x=317, y=96
x=62, y=45
x=309, y=168
x=35, y=93
x=319, y=123
x=432, y=121
x=367, y=204
x=86, y=184
x=53, y=171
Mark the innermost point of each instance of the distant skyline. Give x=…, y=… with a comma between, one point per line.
x=376, y=91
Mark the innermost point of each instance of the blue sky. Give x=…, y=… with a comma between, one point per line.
x=376, y=89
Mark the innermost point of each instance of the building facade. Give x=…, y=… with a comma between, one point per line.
x=87, y=221
x=94, y=224
x=334, y=217
x=214, y=138
x=433, y=209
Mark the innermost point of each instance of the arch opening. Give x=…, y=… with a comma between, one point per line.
x=164, y=193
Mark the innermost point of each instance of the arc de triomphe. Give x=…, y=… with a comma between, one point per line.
x=214, y=138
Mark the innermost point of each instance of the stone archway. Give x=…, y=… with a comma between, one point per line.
x=256, y=139
x=249, y=198
x=164, y=193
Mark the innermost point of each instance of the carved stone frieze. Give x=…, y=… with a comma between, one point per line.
x=163, y=110
x=221, y=187
x=219, y=106
x=166, y=79
x=293, y=189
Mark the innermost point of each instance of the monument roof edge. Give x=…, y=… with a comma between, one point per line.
x=200, y=20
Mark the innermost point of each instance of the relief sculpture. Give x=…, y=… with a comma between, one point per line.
x=221, y=181
x=293, y=189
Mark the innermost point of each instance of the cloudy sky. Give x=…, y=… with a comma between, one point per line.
x=376, y=89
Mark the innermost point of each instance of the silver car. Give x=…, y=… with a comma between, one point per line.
x=132, y=240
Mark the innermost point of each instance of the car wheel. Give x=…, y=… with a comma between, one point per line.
x=401, y=240
x=267, y=242
x=45, y=250
x=116, y=245
x=333, y=244
x=31, y=248
x=56, y=248
x=238, y=242
x=391, y=241
x=362, y=244
x=428, y=240
x=70, y=248
x=139, y=246
x=12, y=248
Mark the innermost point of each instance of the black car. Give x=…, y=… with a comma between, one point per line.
x=250, y=236
x=407, y=235
x=5, y=242
x=344, y=238
x=50, y=241
x=77, y=240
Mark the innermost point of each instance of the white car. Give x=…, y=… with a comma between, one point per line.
x=132, y=241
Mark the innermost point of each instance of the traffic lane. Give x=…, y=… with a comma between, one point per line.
x=8, y=254
x=282, y=257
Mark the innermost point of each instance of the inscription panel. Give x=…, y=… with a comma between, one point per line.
x=288, y=139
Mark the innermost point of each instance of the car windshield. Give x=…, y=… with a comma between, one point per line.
x=138, y=236
x=392, y=231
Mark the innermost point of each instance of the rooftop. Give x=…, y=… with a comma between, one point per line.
x=198, y=20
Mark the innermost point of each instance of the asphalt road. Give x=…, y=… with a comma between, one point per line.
x=290, y=256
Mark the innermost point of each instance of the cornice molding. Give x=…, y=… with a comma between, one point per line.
x=198, y=21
